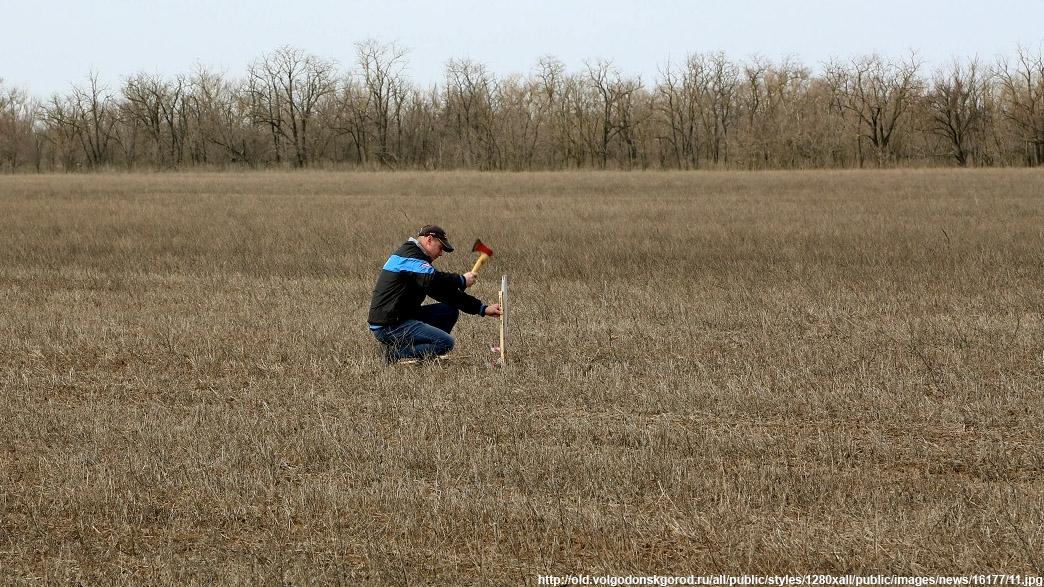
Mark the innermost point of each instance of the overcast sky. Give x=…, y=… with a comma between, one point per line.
x=49, y=47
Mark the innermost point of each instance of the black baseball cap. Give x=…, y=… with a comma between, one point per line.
x=437, y=232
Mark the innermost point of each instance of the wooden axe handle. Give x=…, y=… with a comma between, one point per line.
x=481, y=261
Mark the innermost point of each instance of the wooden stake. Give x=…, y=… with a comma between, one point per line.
x=503, y=319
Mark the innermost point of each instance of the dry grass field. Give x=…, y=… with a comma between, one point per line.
x=803, y=372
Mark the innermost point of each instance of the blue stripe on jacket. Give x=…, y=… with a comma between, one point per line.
x=397, y=264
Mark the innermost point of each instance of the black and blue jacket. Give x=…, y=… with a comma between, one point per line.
x=406, y=279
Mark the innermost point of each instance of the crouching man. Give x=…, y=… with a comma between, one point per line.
x=407, y=329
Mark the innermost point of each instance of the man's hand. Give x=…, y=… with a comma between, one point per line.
x=469, y=279
x=494, y=311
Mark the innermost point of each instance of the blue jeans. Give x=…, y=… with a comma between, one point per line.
x=426, y=335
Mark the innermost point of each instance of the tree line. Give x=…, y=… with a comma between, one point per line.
x=293, y=109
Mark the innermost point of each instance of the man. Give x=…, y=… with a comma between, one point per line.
x=405, y=328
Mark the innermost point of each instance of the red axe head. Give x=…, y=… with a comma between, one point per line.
x=484, y=254
x=478, y=247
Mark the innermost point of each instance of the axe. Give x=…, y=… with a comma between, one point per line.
x=484, y=254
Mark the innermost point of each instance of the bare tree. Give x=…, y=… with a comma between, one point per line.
x=421, y=139
x=382, y=69
x=699, y=103
x=351, y=117
x=218, y=114
x=758, y=109
x=157, y=105
x=779, y=114
x=521, y=121
x=471, y=103
x=879, y=93
x=286, y=89
x=1022, y=92
x=563, y=105
x=614, y=102
x=88, y=117
x=719, y=113
x=680, y=111
x=19, y=114
x=956, y=106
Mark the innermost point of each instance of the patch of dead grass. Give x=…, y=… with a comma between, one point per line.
x=740, y=373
